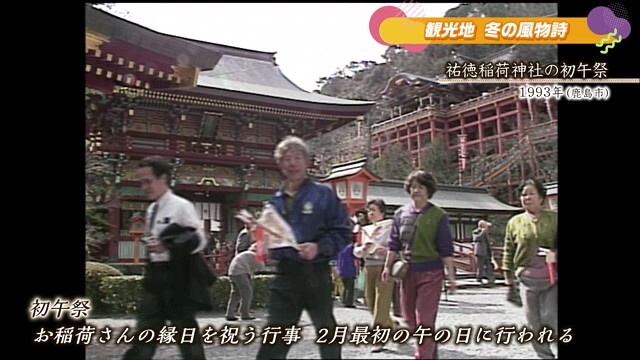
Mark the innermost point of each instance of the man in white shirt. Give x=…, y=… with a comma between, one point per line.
x=161, y=299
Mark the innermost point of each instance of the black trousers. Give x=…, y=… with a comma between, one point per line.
x=348, y=292
x=161, y=302
x=297, y=287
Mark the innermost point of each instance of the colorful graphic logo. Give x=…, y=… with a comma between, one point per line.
x=387, y=12
x=603, y=21
x=605, y=27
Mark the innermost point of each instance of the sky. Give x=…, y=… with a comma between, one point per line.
x=310, y=40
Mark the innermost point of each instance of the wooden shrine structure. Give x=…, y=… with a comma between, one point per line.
x=215, y=111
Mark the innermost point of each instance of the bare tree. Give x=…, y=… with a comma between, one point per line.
x=437, y=159
x=394, y=163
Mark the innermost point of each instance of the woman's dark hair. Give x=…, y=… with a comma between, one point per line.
x=379, y=203
x=159, y=166
x=542, y=191
x=423, y=178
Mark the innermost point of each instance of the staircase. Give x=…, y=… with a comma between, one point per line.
x=523, y=150
x=503, y=163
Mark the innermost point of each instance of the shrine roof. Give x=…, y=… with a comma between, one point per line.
x=349, y=168
x=120, y=30
x=403, y=79
x=449, y=197
x=240, y=74
x=221, y=67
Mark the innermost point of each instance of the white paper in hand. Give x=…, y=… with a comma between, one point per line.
x=278, y=233
x=377, y=233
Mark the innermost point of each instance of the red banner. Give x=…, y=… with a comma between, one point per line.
x=258, y=236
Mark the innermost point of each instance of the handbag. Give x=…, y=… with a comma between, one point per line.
x=400, y=268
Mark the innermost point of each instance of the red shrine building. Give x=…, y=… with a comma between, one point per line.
x=215, y=111
x=500, y=139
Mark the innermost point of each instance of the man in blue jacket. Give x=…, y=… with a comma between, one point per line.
x=303, y=278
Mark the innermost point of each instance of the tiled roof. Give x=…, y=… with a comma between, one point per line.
x=346, y=169
x=223, y=67
x=450, y=198
x=255, y=76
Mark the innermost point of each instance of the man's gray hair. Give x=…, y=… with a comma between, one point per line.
x=291, y=143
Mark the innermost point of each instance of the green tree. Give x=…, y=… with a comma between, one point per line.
x=437, y=159
x=98, y=189
x=394, y=163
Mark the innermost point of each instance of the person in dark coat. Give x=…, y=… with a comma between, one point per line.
x=347, y=266
x=321, y=228
x=482, y=251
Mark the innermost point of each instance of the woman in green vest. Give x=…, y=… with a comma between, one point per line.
x=529, y=245
x=421, y=232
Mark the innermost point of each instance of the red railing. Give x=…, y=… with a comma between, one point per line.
x=462, y=251
x=465, y=260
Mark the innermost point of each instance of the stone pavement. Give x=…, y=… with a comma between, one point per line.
x=472, y=306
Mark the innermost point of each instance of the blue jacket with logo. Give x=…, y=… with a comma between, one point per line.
x=317, y=215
